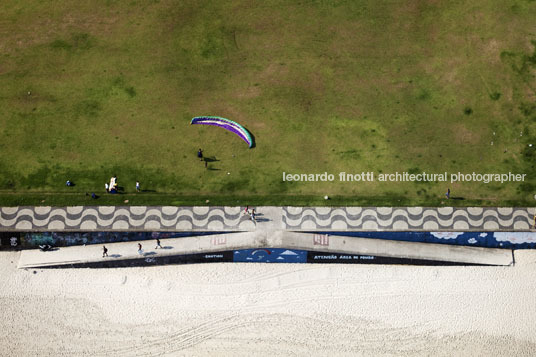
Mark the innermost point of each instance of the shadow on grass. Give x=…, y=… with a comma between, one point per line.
x=253, y=141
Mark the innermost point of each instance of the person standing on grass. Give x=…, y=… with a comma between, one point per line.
x=104, y=251
x=137, y=186
x=448, y=193
x=158, y=244
x=106, y=187
x=200, y=154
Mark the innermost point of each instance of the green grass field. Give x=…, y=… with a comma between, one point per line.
x=96, y=88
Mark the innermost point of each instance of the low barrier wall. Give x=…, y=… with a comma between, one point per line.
x=509, y=240
x=31, y=240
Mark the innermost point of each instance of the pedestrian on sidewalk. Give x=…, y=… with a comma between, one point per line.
x=158, y=244
x=140, y=251
x=253, y=218
x=246, y=211
x=104, y=251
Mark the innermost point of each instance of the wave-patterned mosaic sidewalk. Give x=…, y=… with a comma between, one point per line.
x=407, y=218
x=88, y=218
x=170, y=218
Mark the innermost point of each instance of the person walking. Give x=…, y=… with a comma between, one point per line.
x=200, y=154
x=104, y=251
x=140, y=251
x=137, y=186
x=158, y=244
x=253, y=218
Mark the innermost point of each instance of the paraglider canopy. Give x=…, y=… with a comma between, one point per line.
x=226, y=124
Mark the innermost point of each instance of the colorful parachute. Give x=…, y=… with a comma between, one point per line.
x=226, y=124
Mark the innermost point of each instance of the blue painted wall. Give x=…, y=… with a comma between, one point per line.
x=510, y=240
x=270, y=255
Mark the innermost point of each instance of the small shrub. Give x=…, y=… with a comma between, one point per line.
x=61, y=45
x=131, y=91
x=81, y=41
x=495, y=96
x=527, y=109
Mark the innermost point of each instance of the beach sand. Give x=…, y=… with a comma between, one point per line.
x=268, y=309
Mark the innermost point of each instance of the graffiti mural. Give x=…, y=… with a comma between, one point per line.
x=65, y=239
x=10, y=240
x=270, y=255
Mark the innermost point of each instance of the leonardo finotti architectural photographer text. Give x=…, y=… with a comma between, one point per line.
x=406, y=177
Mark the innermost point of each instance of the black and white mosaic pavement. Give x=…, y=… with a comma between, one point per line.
x=408, y=218
x=111, y=218
x=170, y=218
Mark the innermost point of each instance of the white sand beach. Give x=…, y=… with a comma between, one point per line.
x=268, y=309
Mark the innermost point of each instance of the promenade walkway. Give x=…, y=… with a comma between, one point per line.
x=170, y=218
x=275, y=227
x=126, y=253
